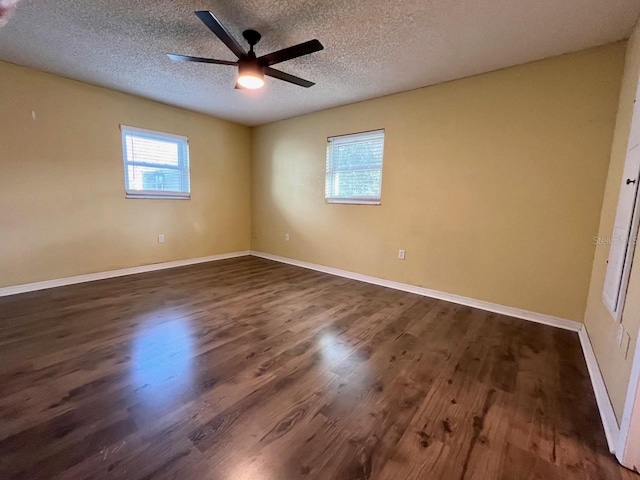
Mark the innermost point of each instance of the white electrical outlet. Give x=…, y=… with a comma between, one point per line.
x=620, y=335
x=401, y=254
x=286, y=237
x=160, y=238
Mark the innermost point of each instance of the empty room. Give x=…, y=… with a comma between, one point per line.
x=273, y=240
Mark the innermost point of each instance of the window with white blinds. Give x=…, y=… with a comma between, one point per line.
x=354, y=168
x=156, y=164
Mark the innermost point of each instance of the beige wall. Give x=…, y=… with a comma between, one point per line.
x=62, y=205
x=600, y=325
x=493, y=184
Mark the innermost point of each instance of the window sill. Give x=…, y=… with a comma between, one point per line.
x=352, y=201
x=158, y=196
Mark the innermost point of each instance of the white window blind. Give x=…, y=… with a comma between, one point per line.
x=354, y=168
x=156, y=164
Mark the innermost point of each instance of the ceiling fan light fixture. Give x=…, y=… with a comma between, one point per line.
x=251, y=82
x=250, y=75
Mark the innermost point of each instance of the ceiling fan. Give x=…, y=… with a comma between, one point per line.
x=252, y=69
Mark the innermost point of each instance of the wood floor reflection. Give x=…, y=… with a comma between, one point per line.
x=250, y=369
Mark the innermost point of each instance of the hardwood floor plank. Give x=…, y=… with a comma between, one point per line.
x=250, y=369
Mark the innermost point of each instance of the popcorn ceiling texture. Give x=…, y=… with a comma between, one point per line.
x=372, y=48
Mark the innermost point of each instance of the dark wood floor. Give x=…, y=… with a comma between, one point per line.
x=250, y=369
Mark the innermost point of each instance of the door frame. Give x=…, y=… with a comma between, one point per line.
x=627, y=448
x=628, y=445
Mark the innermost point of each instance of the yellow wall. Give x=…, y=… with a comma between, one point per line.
x=600, y=325
x=493, y=184
x=62, y=205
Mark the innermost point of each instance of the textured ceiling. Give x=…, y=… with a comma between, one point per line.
x=372, y=48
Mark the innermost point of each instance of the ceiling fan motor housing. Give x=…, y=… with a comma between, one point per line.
x=250, y=66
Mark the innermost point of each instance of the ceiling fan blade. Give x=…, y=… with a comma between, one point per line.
x=210, y=20
x=187, y=58
x=291, y=52
x=272, y=72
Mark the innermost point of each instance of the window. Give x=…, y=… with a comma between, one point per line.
x=156, y=164
x=354, y=168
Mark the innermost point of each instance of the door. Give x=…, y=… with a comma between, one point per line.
x=623, y=239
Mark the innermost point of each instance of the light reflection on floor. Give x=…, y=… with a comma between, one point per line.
x=250, y=469
x=334, y=349
x=331, y=348
x=162, y=359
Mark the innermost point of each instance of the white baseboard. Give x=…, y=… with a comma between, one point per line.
x=607, y=414
x=90, y=277
x=426, y=292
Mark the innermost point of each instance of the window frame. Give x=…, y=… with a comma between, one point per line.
x=330, y=171
x=184, y=165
